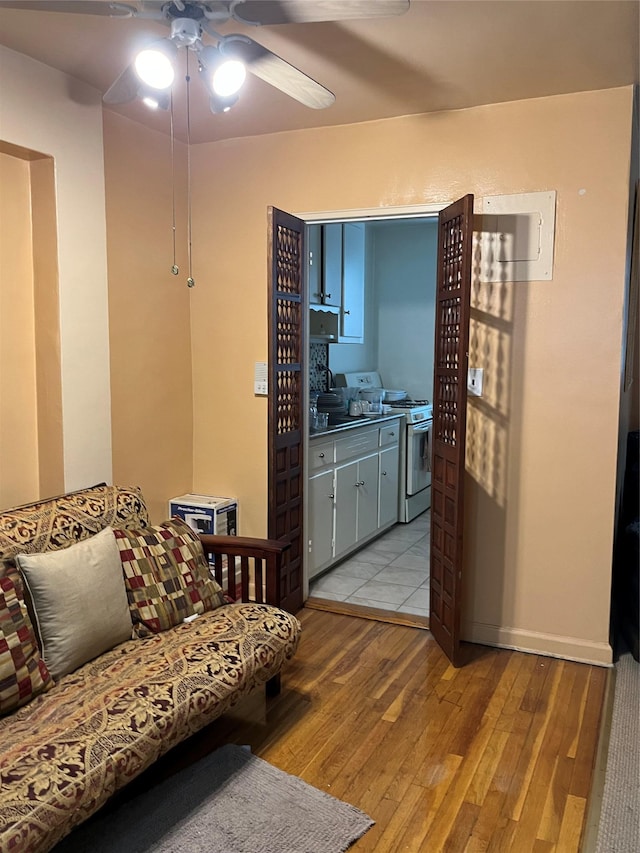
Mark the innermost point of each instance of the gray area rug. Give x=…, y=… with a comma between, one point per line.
x=619, y=829
x=229, y=802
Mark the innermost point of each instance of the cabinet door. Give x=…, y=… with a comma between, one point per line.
x=320, y=498
x=389, y=470
x=367, y=496
x=332, y=263
x=346, y=507
x=353, y=270
x=314, y=263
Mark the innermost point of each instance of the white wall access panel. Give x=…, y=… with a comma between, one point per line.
x=517, y=237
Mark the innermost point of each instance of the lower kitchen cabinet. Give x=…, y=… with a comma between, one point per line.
x=320, y=497
x=356, y=503
x=388, y=486
x=352, y=491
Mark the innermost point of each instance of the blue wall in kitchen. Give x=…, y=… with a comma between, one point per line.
x=399, y=307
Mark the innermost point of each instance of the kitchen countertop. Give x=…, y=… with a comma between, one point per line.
x=358, y=423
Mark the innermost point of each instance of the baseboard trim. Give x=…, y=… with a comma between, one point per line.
x=393, y=617
x=550, y=645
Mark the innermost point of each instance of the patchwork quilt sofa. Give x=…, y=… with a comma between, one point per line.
x=116, y=643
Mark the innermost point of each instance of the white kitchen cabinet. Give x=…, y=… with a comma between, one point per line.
x=388, y=486
x=353, y=278
x=321, y=454
x=314, y=265
x=355, y=443
x=320, y=497
x=352, y=490
x=346, y=522
x=367, y=497
x=332, y=263
x=337, y=282
x=356, y=503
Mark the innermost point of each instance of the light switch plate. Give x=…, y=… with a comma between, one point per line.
x=475, y=378
x=261, y=378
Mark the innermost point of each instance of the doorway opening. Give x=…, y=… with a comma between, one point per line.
x=385, y=576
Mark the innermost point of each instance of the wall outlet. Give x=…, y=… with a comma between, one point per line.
x=475, y=377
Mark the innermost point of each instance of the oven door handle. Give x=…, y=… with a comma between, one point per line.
x=424, y=426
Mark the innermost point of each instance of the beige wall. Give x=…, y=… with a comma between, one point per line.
x=542, y=442
x=19, y=480
x=46, y=319
x=541, y=484
x=151, y=392
x=46, y=111
x=31, y=449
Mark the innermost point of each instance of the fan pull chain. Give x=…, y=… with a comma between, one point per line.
x=190, y=281
x=174, y=269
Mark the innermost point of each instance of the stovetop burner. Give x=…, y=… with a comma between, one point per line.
x=408, y=404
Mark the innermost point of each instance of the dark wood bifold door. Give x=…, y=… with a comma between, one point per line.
x=455, y=237
x=286, y=358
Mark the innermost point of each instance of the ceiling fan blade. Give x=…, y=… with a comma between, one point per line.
x=274, y=70
x=311, y=11
x=124, y=88
x=81, y=7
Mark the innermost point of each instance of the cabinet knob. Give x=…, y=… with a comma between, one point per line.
x=327, y=295
x=320, y=455
x=392, y=434
x=384, y=473
x=331, y=496
x=360, y=483
x=346, y=312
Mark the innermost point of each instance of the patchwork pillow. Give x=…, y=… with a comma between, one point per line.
x=23, y=673
x=79, y=599
x=166, y=575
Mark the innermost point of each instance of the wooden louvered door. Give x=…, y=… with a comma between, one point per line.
x=286, y=361
x=455, y=237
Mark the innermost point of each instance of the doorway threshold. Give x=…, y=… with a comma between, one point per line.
x=378, y=614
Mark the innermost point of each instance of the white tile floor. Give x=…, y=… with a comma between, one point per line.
x=392, y=573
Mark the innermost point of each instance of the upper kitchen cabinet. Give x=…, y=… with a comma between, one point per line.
x=314, y=248
x=353, y=269
x=325, y=264
x=332, y=263
x=336, y=284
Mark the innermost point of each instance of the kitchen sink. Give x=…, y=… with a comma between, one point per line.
x=341, y=420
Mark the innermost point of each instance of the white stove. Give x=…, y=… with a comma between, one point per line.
x=415, y=447
x=415, y=411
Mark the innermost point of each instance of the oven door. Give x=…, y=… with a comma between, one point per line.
x=418, y=456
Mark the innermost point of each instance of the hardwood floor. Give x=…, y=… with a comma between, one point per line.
x=496, y=756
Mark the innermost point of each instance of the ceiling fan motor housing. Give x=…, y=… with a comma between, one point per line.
x=185, y=32
x=183, y=10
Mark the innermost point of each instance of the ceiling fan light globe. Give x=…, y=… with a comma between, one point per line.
x=218, y=104
x=153, y=98
x=154, y=68
x=228, y=77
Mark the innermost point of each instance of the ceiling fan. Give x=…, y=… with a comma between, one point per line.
x=221, y=66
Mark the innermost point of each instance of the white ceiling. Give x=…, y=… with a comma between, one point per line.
x=440, y=55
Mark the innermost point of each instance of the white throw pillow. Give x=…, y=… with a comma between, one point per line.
x=79, y=599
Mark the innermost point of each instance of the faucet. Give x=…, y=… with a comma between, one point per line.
x=330, y=383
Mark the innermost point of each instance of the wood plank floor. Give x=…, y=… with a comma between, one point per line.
x=497, y=756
